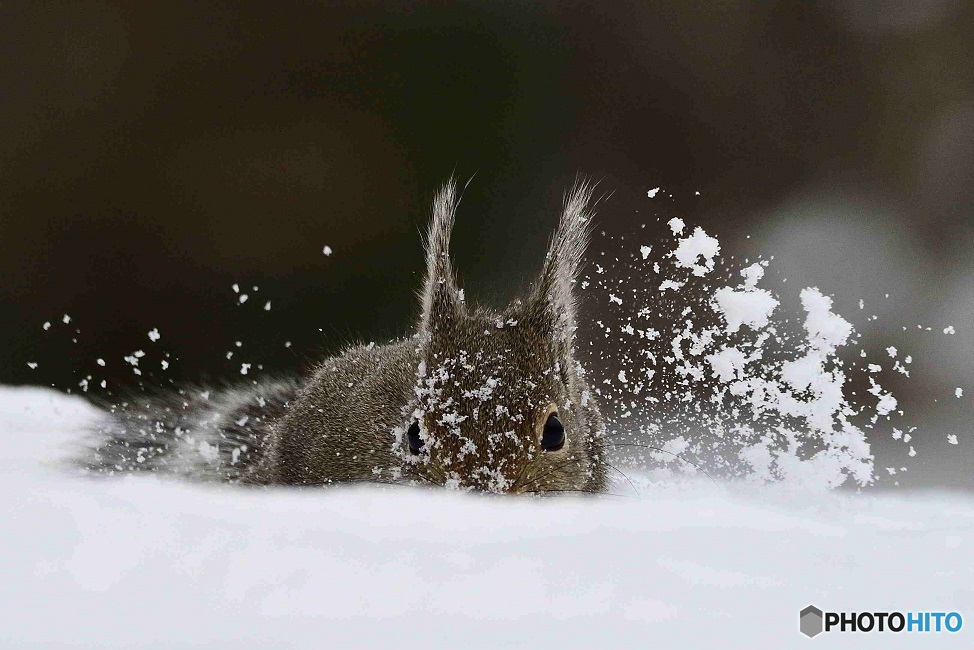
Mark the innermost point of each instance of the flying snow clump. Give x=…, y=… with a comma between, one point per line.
x=713, y=367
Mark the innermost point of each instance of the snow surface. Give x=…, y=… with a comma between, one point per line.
x=119, y=563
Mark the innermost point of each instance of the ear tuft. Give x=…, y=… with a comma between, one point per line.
x=440, y=298
x=555, y=292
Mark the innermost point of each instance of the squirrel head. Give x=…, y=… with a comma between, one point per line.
x=501, y=403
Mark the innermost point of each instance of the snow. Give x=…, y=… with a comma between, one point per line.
x=697, y=246
x=119, y=563
x=727, y=363
x=745, y=307
x=826, y=330
x=887, y=403
x=752, y=275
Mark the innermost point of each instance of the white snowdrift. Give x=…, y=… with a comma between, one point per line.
x=151, y=563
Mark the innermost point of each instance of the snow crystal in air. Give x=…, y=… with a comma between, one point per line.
x=949, y=330
x=209, y=452
x=676, y=446
x=744, y=307
x=727, y=363
x=886, y=401
x=825, y=329
x=717, y=368
x=958, y=392
x=698, y=246
x=752, y=275
x=653, y=192
x=154, y=335
x=326, y=250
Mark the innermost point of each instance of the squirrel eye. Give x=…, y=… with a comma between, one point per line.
x=412, y=434
x=553, y=437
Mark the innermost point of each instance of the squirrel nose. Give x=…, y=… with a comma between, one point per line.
x=553, y=436
x=415, y=441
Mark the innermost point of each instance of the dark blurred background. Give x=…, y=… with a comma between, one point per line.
x=154, y=154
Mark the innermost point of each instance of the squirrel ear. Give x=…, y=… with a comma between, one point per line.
x=441, y=300
x=555, y=295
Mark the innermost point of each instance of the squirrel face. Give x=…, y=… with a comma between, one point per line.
x=500, y=402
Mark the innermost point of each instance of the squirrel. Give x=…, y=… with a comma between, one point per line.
x=475, y=399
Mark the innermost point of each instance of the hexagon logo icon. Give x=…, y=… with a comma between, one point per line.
x=810, y=621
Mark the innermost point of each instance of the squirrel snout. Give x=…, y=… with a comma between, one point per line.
x=413, y=438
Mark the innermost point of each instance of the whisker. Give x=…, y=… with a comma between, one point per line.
x=415, y=473
x=517, y=478
x=663, y=451
x=592, y=492
x=366, y=480
x=616, y=435
x=548, y=473
x=611, y=466
x=619, y=434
